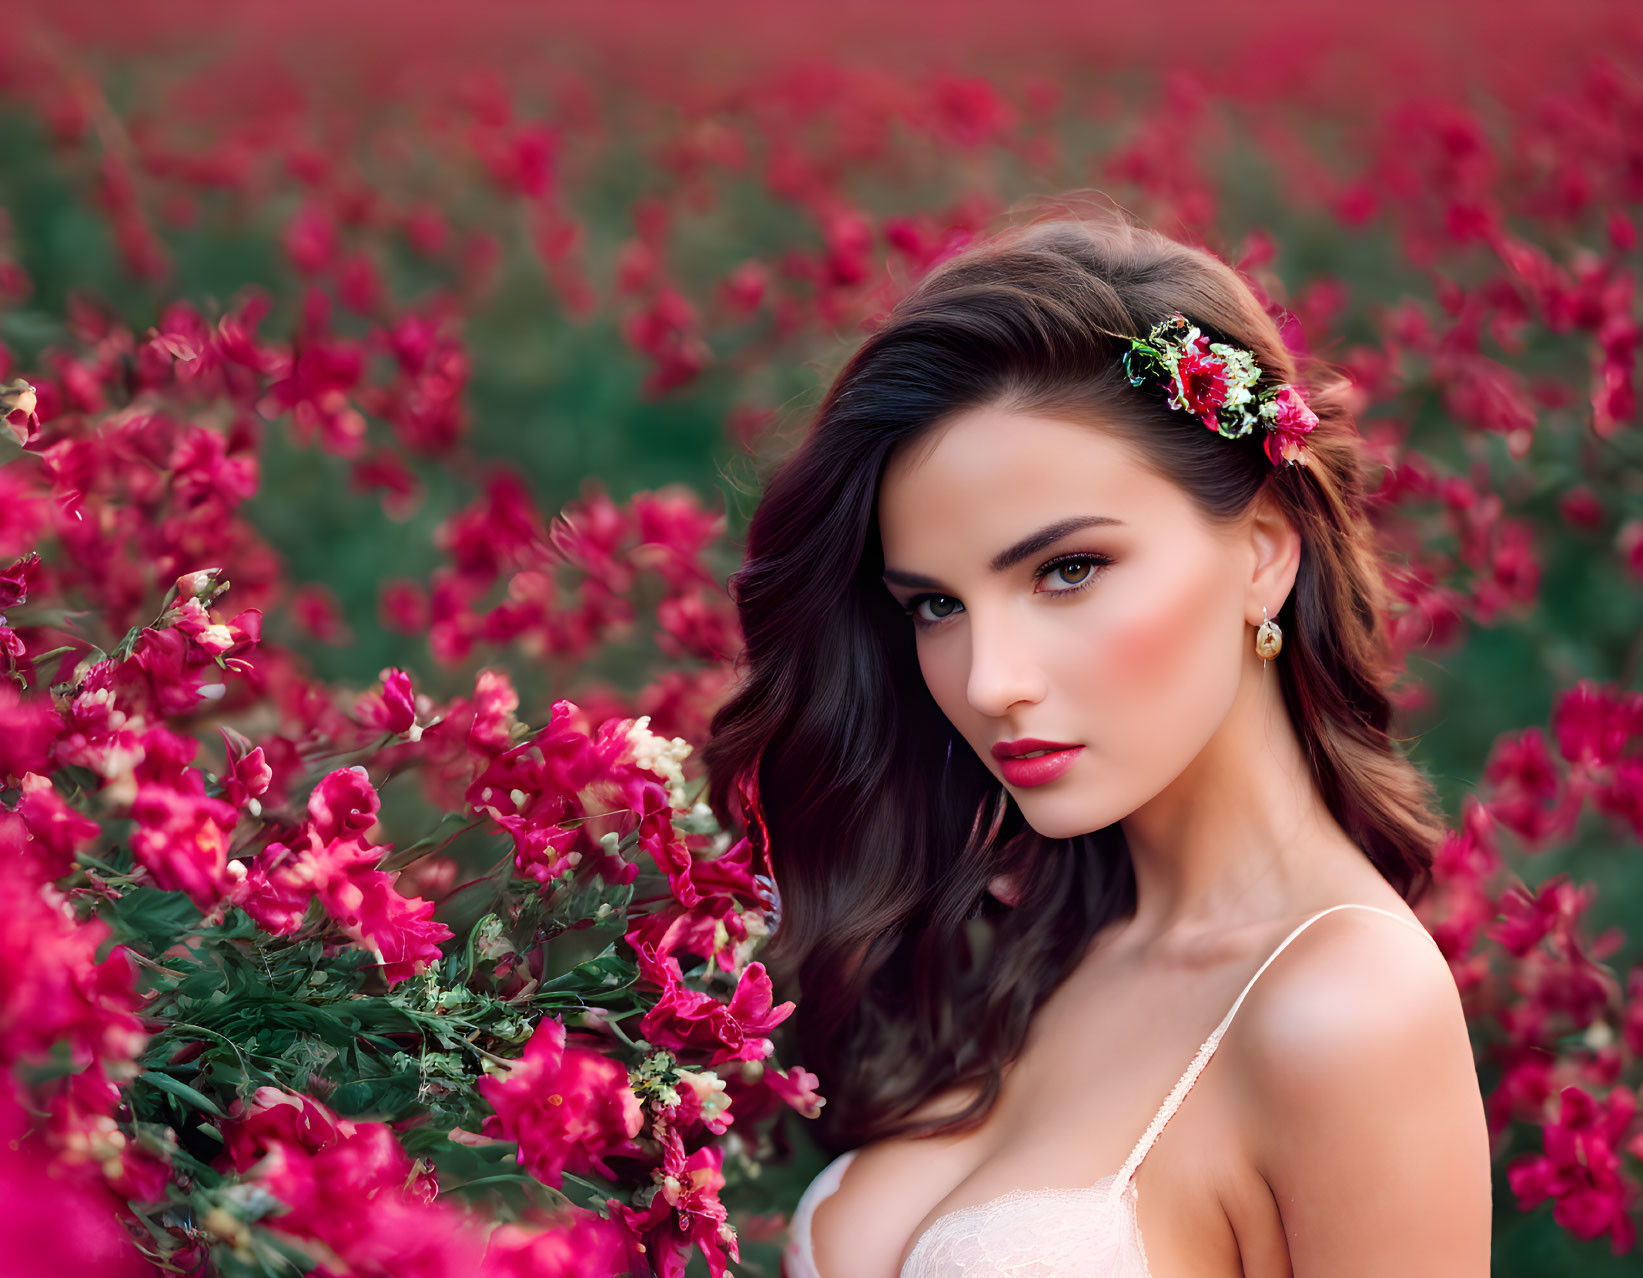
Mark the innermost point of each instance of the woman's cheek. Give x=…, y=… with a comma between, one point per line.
x=940, y=664
x=1153, y=655
x=1141, y=642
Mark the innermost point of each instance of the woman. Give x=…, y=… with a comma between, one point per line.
x=1063, y=719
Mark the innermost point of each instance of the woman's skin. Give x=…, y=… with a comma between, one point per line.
x=1339, y=1130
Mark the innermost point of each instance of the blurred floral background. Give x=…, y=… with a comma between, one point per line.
x=385, y=388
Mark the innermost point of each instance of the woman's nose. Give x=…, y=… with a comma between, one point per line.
x=1003, y=670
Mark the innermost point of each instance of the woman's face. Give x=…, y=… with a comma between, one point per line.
x=1064, y=592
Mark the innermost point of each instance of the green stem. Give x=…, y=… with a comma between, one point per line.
x=58, y=651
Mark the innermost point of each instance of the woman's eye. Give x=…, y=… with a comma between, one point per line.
x=1074, y=572
x=936, y=603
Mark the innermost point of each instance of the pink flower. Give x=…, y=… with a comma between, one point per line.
x=495, y=726
x=392, y=708
x=1530, y=915
x=319, y=614
x=1623, y=798
x=61, y=1216
x=248, y=775
x=310, y=239
x=29, y=727
x=12, y=646
x=567, y=1107
x=712, y=925
x=211, y=470
x=400, y=930
x=499, y=530
x=1529, y=797
x=182, y=834
x=685, y=1213
x=217, y=638
x=100, y=728
x=1290, y=427
x=330, y=859
x=82, y=1129
x=44, y=829
x=660, y=838
x=273, y=1116
x=351, y=1187
x=704, y=1101
x=342, y=875
x=343, y=805
x=1580, y=1169
x=1594, y=723
x=1488, y=395
x=402, y=606
x=400, y=489
x=591, y=534
x=274, y=896
x=558, y=791
x=684, y=1019
x=674, y=531
x=18, y=579
x=576, y=1245
x=182, y=840
x=698, y=624
x=179, y=679
x=797, y=1087
x=57, y=994
x=696, y=932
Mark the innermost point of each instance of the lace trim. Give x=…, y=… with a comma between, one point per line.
x=1107, y=1188
x=966, y=1237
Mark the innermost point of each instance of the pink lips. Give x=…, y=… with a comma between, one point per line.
x=1039, y=769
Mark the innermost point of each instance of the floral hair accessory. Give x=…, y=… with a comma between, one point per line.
x=1218, y=383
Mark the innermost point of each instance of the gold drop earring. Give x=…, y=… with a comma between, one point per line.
x=1269, y=639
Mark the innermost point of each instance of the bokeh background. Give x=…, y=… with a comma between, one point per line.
x=536, y=255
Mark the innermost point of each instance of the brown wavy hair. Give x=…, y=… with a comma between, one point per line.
x=882, y=837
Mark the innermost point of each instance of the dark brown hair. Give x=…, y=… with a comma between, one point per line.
x=882, y=833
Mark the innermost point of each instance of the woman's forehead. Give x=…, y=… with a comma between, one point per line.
x=999, y=467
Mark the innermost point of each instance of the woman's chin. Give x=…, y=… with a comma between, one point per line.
x=1063, y=820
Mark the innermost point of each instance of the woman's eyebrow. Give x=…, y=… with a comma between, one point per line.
x=1006, y=559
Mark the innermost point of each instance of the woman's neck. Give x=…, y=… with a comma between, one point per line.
x=1242, y=834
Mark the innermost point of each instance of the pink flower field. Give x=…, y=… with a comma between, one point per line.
x=384, y=390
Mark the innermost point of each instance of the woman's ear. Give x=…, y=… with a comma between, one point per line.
x=1275, y=547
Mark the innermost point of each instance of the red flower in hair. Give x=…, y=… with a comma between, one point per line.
x=1201, y=386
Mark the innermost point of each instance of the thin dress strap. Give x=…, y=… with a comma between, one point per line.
x=1172, y=1102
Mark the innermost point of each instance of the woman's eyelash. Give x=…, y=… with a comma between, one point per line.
x=1097, y=562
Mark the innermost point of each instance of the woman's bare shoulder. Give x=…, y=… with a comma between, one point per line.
x=1348, y=969
x=1355, y=987
x=1366, y=1118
